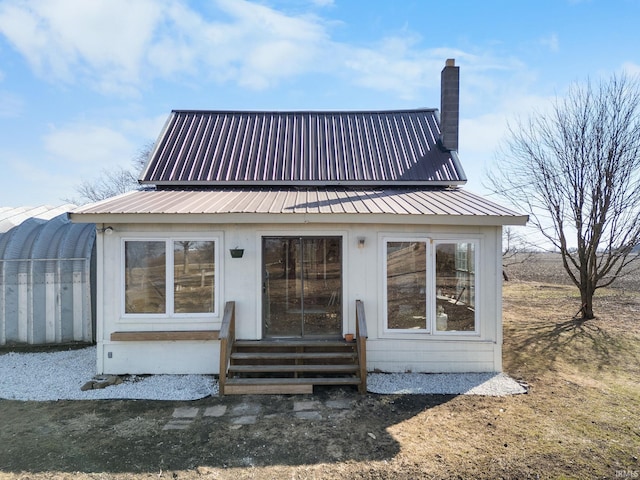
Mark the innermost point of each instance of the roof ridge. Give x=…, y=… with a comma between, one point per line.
x=342, y=111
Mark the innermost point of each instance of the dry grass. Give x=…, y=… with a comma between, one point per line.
x=580, y=419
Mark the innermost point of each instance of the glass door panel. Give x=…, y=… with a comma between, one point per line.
x=282, y=299
x=302, y=286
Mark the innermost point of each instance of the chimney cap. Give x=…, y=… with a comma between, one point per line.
x=451, y=62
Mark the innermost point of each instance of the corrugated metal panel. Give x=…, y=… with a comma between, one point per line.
x=10, y=217
x=257, y=148
x=45, y=277
x=456, y=202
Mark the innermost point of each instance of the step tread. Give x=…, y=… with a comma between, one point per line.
x=294, y=381
x=339, y=368
x=293, y=343
x=278, y=389
x=292, y=355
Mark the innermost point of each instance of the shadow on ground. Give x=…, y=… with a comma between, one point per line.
x=333, y=425
x=574, y=339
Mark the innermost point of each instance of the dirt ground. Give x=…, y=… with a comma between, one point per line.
x=580, y=418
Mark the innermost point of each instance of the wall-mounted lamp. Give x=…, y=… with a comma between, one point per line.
x=361, y=242
x=236, y=252
x=106, y=230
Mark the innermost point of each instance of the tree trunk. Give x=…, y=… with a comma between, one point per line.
x=586, y=296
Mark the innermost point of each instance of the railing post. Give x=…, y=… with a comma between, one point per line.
x=227, y=338
x=361, y=345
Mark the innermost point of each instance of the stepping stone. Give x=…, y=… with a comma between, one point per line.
x=186, y=412
x=245, y=420
x=309, y=415
x=342, y=404
x=305, y=405
x=216, y=411
x=246, y=409
x=178, y=425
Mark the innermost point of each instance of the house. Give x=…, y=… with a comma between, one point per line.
x=291, y=229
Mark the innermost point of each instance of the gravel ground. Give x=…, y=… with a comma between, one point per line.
x=60, y=375
x=488, y=384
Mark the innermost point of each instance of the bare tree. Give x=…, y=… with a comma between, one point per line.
x=516, y=250
x=112, y=182
x=576, y=170
x=108, y=184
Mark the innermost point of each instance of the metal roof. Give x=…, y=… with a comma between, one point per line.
x=43, y=233
x=302, y=148
x=13, y=216
x=449, y=205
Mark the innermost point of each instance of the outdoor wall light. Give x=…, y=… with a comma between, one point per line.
x=236, y=252
x=106, y=230
x=361, y=242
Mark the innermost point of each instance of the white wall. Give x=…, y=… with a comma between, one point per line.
x=240, y=281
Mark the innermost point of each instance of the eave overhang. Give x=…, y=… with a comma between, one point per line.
x=300, y=206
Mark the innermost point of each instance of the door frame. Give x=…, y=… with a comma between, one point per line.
x=342, y=234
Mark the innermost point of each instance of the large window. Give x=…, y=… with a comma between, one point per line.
x=171, y=277
x=430, y=286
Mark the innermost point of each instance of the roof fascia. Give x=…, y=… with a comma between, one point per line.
x=155, y=148
x=300, y=218
x=458, y=166
x=313, y=183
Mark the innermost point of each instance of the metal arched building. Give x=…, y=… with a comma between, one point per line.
x=47, y=277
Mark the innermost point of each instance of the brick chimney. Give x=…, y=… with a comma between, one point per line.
x=450, y=104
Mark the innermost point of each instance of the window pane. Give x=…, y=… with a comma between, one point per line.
x=406, y=285
x=455, y=287
x=193, y=274
x=145, y=277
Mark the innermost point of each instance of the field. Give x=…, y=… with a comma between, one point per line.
x=580, y=418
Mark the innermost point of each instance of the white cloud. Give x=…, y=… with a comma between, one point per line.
x=323, y=3
x=24, y=183
x=631, y=68
x=89, y=148
x=392, y=65
x=102, y=41
x=146, y=129
x=121, y=47
x=551, y=41
x=72, y=153
x=10, y=105
x=260, y=46
x=117, y=46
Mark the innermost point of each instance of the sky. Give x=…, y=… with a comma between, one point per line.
x=86, y=85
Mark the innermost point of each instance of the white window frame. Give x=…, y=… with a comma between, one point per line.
x=169, y=314
x=430, y=298
x=476, y=287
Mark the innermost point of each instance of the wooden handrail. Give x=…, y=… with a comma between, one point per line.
x=361, y=344
x=227, y=338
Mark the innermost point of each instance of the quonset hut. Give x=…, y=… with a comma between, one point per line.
x=47, y=277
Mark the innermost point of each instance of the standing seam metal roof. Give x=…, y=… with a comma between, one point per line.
x=294, y=148
x=412, y=201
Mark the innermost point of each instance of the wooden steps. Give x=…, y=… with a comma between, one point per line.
x=290, y=366
x=277, y=386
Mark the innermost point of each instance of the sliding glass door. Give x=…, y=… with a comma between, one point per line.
x=302, y=286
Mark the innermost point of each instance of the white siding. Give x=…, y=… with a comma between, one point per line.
x=177, y=358
x=431, y=356
x=240, y=281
